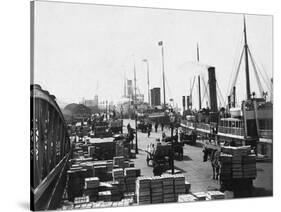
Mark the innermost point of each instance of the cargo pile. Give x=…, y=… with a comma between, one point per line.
x=131, y=175
x=226, y=166
x=120, y=149
x=200, y=195
x=249, y=166
x=161, y=189
x=81, y=200
x=215, y=195
x=100, y=172
x=179, y=185
x=156, y=189
x=105, y=196
x=237, y=163
x=104, y=149
x=119, y=161
x=238, y=168
x=118, y=176
x=75, y=183
x=91, y=188
x=99, y=204
x=143, y=190
x=186, y=198
x=168, y=188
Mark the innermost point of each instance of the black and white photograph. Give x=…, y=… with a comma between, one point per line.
x=133, y=106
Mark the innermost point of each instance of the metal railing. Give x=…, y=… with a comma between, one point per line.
x=49, y=149
x=266, y=133
x=231, y=130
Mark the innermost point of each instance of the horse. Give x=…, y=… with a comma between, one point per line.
x=213, y=156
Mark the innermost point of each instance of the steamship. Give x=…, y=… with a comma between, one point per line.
x=249, y=124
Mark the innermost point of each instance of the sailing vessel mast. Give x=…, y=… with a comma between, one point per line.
x=199, y=87
x=246, y=62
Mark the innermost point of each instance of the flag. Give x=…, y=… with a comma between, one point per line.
x=160, y=43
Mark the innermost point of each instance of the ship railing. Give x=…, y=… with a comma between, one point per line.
x=203, y=126
x=188, y=123
x=266, y=133
x=231, y=130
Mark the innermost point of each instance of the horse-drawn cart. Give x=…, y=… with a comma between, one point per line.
x=160, y=155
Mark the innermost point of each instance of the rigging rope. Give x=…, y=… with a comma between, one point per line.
x=206, y=90
x=220, y=93
x=237, y=71
x=264, y=72
x=235, y=61
x=255, y=68
x=256, y=74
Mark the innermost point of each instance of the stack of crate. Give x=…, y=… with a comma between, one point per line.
x=130, y=178
x=105, y=196
x=187, y=186
x=81, y=200
x=118, y=175
x=100, y=172
x=214, y=195
x=156, y=189
x=116, y=195
x=179, y=185
x=225, y=166
x=200, y=195
x=249, y=166
x=89, y=167
x=143, y=190
x=119, y=149
x=75, y=183
x=168, y=188
x=186, y=198
x=109, y=165
x=118, y=161
x=91, y=188
x=91, y=151
x=237, y=171
x=237, y=163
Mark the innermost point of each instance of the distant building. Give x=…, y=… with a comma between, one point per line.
x=77, y=112
x=96, y=100
x=91, y=102
x=155, y=96
x=130, y=88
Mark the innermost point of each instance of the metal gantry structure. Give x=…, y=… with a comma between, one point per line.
x=50, y=148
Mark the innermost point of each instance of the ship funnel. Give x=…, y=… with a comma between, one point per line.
x=212, y=89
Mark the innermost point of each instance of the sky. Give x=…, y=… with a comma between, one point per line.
x=85, y=49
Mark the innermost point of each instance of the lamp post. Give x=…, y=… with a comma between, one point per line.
x=160, y=43
x=135, y=109
x=147, y=66
x=172, y=120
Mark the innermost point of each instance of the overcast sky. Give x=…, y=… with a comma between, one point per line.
x=83, y=49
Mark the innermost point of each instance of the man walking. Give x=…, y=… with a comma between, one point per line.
x=156, y=126
x=149, y=129
x=162, y=126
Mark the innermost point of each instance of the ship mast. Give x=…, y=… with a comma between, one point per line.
x=246, y=62
x=199, y=87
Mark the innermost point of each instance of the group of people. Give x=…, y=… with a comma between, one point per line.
x=149, y=127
